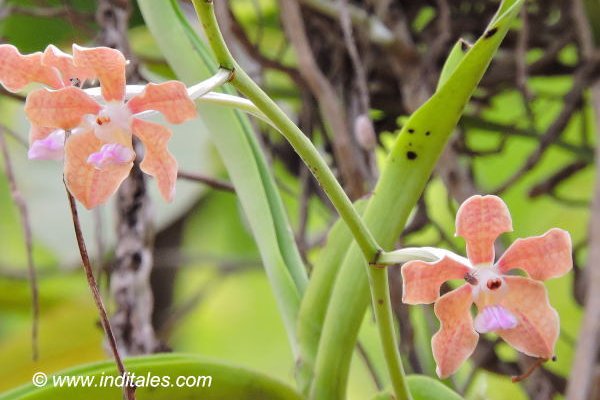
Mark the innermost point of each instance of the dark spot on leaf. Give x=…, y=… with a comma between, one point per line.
x=411, y=131
x=490, y=33
x=427, y=133
x=411, y=155
x=380, y=301
x=410, y=143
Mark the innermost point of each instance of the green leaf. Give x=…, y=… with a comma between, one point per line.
x=425, y=388
x=403, y=179
x=226, y=381
x=247, y=167
x=315, y=300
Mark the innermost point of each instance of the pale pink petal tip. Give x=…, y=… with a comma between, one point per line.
x=493, y=318
x=49, y=148
x=111, y=154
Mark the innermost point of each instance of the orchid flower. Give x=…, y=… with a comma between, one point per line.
x=99, y=152
x=514, y=307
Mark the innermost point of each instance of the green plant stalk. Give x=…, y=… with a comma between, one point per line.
x=301, y=144
x=382, y=306
x=408, y=167
x=311, y=157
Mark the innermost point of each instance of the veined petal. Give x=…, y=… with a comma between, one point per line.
x=17, y=70
x=63, y=62
x=169, y=98
x=480, y=220
x=62, y=108
x=537, y=322
x=50, y=147
x=541, y=257
x=108, y=65
x=456, y=339
x=158, y=161
x=89, y=185
x=422, y=280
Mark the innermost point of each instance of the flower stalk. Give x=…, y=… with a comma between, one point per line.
x=301, y=144
x=128, y=390
x=320, y=170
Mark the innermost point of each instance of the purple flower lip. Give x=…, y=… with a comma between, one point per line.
x=494, y=318
x=111, y=154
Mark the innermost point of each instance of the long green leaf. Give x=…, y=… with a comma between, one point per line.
x=226, y=381
x=243, y=158
x=315, y=300
x=407, y=170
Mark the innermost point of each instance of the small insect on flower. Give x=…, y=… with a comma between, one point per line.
x=99, y=150
x=514, y=307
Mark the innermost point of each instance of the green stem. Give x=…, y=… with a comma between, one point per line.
x=301, y=144
x=319, y=168
x=382, y=305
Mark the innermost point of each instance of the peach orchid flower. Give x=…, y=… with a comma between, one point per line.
x=99, y=152
x=514, y=307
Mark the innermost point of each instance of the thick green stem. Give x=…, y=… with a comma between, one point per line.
x=301, y=144
x=382, y=305
x=319, y=168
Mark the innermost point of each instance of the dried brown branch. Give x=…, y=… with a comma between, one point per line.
x=550, y=184
x=572, y=102
x=45, y=12
x=331, y=109
x=581, y=379
x=28, y=238
x=12, y=95
x=253, y=50
x=214, y=183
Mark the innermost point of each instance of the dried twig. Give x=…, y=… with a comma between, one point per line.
x=254, y=51
x=331, y=108
x=27, y=236
x=550, y=184
x=214, y=183
x=128, y=390
x=581, y=379
x=572, y=102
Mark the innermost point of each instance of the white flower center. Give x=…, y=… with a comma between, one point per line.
x=112, y=124
x=487, y=282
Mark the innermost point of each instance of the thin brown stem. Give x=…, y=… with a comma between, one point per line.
x=212, y=182
x=529, y=371
x=27, y=236
x=128, y=390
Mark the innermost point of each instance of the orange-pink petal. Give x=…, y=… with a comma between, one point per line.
x=39, y=133
x=456, y=339
x=62, y=108
x=17, y=70
x=537, y=322
x=63, y=62
x=541, y=257
x=108, y=65
x=89, y=185
x=169, y=98
x=480, y=220
x=422, y=280
x=158, y=161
